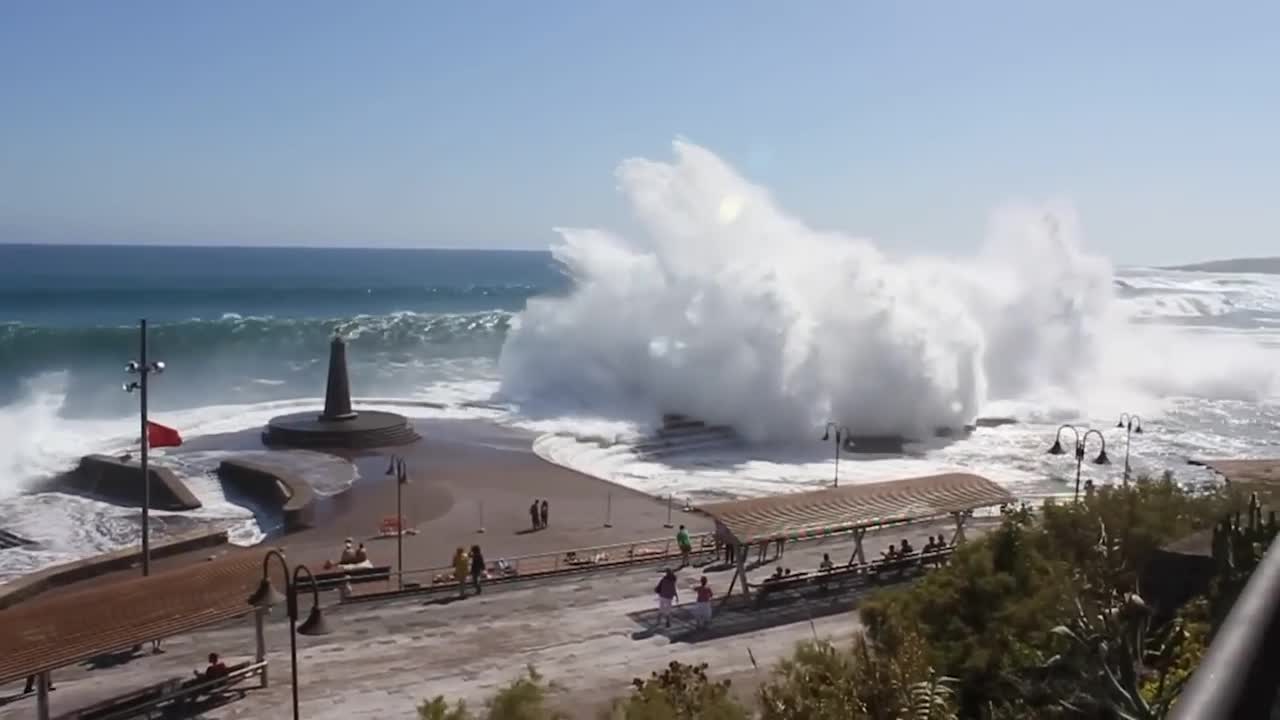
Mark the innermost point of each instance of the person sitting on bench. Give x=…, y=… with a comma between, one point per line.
x=906, y=548
x=348, y=554
x=361, y=555
x=777, y=575
x=930, y=546
x=215, y=670
x=825, y=568
x=890, y=554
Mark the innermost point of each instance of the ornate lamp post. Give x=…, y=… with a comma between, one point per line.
x=266, y=596
x=1081, y=441
x=842, y=435
x=143, y=369
x=1132, y=424
x=401, y=471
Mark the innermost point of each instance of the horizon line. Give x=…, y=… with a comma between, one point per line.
x=6, y=243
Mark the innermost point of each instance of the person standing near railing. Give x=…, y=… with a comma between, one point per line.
x=686, y=546
x=477, y=567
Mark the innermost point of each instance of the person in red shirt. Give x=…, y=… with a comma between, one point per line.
x=702, y=610
x=216, y=668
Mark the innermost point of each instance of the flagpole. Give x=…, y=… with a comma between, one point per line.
x=146, y=446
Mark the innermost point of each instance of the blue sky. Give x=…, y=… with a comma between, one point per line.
x=486, y=123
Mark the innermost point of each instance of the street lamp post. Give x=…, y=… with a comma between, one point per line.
x=143, y=369
x=1132, y=424
x=266, y=597
x=1081, y=441
x=398, y=468
x=842, y=435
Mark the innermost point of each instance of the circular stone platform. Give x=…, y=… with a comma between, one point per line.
x=369, y=429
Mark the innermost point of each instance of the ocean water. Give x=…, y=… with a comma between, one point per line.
x=723, y=307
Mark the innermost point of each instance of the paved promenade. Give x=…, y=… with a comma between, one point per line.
x=592, y=634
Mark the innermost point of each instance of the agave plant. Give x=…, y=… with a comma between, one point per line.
x=933, y=699
x=1113, y=664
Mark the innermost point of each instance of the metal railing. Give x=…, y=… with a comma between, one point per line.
x=1240, y=672
x=550, y=564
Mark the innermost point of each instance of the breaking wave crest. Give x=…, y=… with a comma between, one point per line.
x=728, y=309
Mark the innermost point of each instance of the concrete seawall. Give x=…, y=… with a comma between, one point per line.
x=29, y=586
x=274, y=486
x=119, y=481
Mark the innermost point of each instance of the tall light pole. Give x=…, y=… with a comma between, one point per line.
x=401, y=471
x=266, y=597
x=1081, y=441
x=842, y=435
x=143, y=369
x=1132, y=424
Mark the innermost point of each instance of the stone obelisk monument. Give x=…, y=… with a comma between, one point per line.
x=337, y=393
x=339, y=426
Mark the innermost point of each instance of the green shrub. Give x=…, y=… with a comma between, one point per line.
x=822, y=682
x=680, y=692
x=525, y=698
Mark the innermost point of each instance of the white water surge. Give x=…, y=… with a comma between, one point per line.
x=728, y=309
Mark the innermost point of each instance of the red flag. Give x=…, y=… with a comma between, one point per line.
x=159, y=436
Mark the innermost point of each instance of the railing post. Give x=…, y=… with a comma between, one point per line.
x=1240, y=671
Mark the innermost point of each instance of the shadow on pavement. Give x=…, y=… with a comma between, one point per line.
x=742, y=615
x=115, y=659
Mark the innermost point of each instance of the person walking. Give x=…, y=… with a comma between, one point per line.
x=546, y=511
x=686, y=546
x=31, y=684
x=534, y=515
x=668, y=595
x=477, y=567
x=703, y=608
x=461, y=566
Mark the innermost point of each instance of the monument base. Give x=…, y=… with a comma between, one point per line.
x=369, y=429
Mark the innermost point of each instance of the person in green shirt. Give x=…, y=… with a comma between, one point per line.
x=686, y=545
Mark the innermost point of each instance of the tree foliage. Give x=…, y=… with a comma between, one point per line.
x=994, y=616
x=823, y=682
x=525, y=698
x=679, y=692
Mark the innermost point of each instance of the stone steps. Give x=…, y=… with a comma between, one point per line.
x=372, y=438
x=9, y=540
x=680, y=434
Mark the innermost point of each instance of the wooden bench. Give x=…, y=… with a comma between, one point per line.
x=170, y=695
x=191, y=691
x=773, y=585
x=900, y=564
x=127, y=705
x=356, y=576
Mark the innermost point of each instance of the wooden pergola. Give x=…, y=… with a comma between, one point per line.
x=853, y=509
x=44, y=634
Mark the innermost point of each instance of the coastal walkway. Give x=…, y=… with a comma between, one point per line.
x=83, y=627
x=591, y=633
